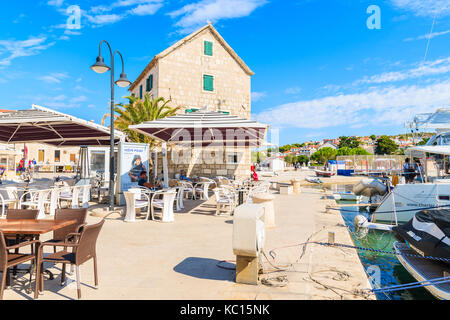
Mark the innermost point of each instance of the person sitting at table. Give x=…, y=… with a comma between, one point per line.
x=142, y=181
x=409, y=171
x=183, y=176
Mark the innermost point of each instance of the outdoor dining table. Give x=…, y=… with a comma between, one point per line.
x=26, y=227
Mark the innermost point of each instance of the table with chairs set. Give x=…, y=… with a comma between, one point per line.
x=73, y=243
x=161, y=204
x=44, y=198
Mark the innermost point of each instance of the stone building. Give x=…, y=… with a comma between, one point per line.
x=202, y=72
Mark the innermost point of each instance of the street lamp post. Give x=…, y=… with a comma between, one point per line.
x=100, y=67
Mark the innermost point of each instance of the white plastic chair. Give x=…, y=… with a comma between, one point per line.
x=179, y=198
x=70, y=194
x=164, y=200
x=202, y=189
x=133, y=199
x=188, y=189
x=7, y=197
x=83, y=196
x=225, y=200
x=260, y=188
x=53, y=202
x=38, y=200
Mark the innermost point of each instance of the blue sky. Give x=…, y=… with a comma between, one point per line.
x=320, y=72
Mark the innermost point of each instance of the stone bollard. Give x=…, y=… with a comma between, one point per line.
x=296, y=185
x=266, y=199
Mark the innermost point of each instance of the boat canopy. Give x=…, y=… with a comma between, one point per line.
x=44, y=125
x=444, y=150
x=205, y=128
x=439, y=120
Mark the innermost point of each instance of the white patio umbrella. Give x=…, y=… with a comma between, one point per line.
x=203, y=129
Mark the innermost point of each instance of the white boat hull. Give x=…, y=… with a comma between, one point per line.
x=401, y=204
x=346, y=196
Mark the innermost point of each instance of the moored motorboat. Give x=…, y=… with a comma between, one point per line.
x=427, y=234
x=323, y=173
x=424, y=270
x=346, y=196
x=313, y=180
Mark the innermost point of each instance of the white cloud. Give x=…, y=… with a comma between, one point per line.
x=193, y=15
x=102, y=15
x=429, y=36
x=55, y=3
x=55, y=77
x=293, y=90
x=381, y=106
x=104, y=19
x=12, y=49
x=424, y=7
x=256, y=96
x=430, y=68
x=146, y=9
x=57, y=102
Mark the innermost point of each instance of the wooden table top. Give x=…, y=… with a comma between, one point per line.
x=25, y=226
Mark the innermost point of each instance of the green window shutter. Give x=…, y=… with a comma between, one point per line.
x=208, y=48
x=140, y=92
x=149, y=83
x=208, y=83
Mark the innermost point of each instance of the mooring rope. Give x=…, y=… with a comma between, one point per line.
x=413, y=285
x=383, y=251
x=405, y=210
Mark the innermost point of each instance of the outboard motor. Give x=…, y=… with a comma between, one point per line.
x=428, y=233
x=370, y=188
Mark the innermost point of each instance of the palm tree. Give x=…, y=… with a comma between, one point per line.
x=137, y=111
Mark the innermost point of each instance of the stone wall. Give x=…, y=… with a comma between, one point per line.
x=209, y=163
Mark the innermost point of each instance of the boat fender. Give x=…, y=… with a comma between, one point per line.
x=360, y=221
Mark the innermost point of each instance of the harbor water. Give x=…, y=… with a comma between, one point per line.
x=384, y=267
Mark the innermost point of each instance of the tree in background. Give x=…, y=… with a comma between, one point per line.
x=324, y=154
x=303, y=160
x=423, y=142
x=354, y=151
x=373, y=137
x=385, y=145
x=137, y=111
x=348, y=142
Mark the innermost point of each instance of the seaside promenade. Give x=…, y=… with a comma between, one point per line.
x=153, y=260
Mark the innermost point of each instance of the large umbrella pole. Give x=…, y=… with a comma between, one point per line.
x=165, y=166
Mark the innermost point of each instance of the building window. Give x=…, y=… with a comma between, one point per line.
x=57, y=156
x=208, y=48
x=140, y=92
x=98, y=160
x=72, y=157
x=41, y=155
x=150, y=83
x=208, y=83
x=232, y=158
